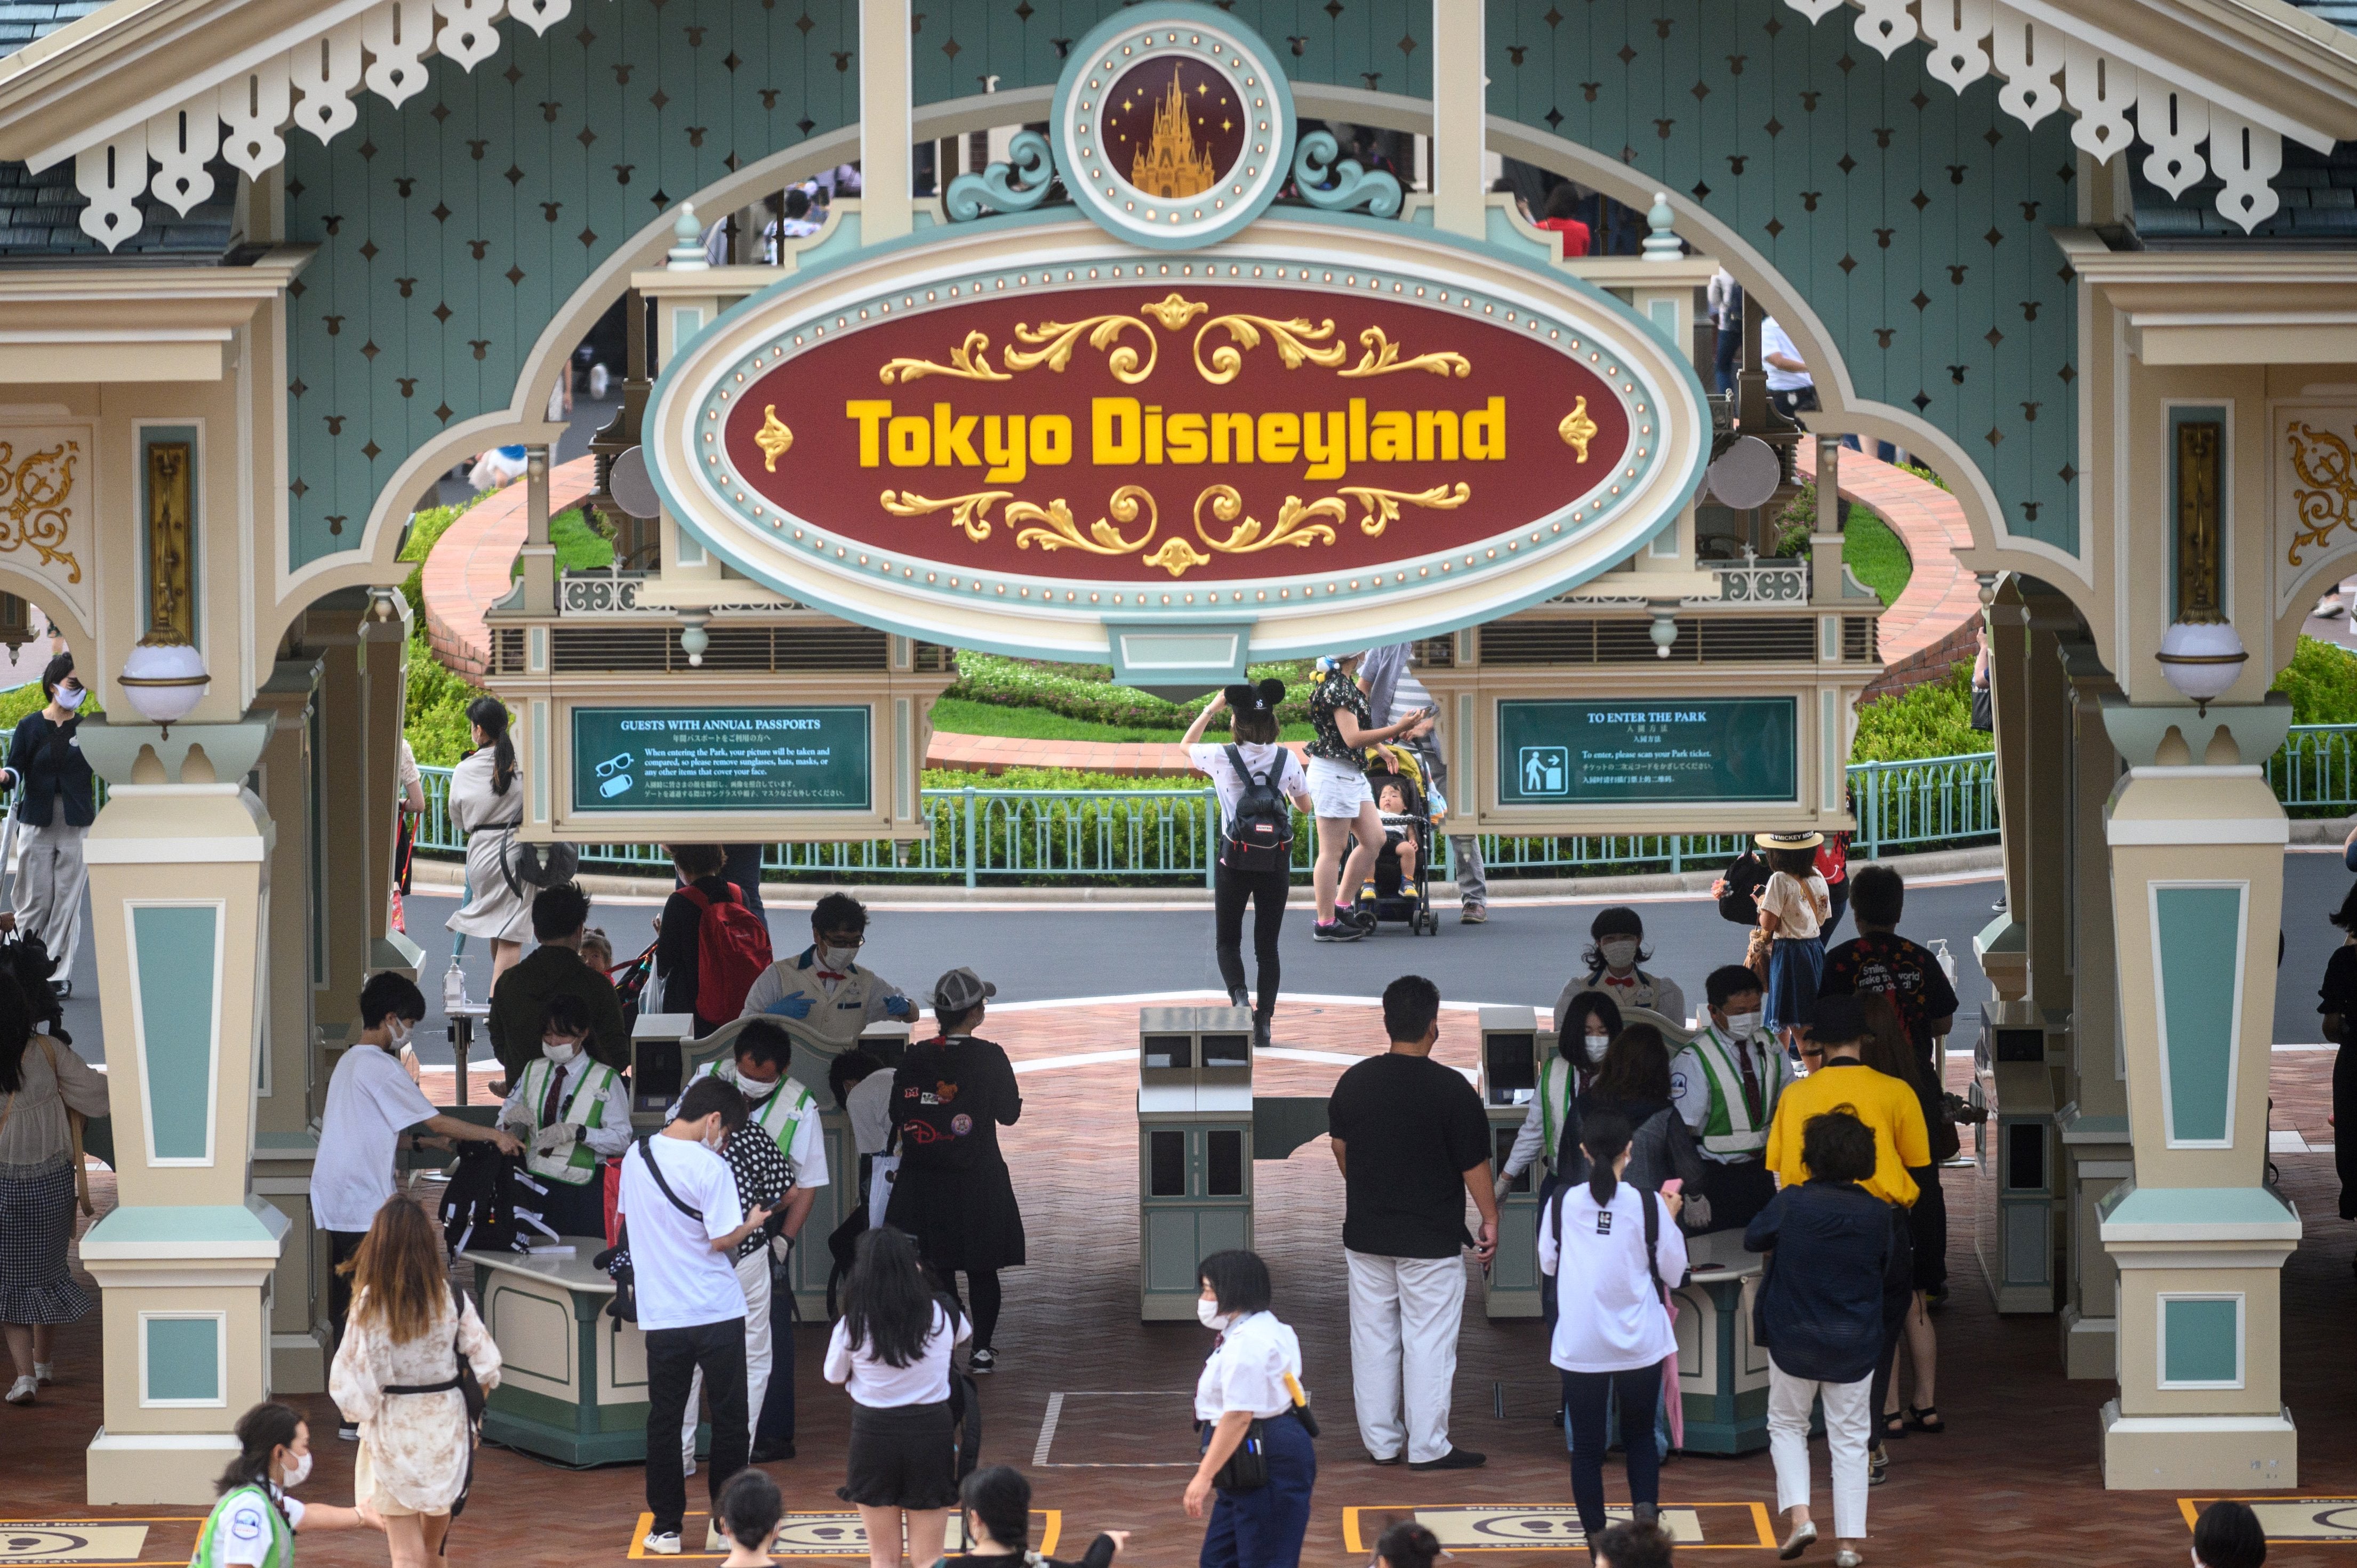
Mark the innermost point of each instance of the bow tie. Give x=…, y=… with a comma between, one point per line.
x=830, y=974
x=1629, y=984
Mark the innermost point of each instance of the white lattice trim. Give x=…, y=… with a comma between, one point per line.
x=182, y=142
x=326, y=72
x=112, y=174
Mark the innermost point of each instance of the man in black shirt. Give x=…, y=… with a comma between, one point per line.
x=1426, y=1144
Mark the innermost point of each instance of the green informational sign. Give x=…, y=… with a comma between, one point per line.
x=720, y=759
x=1669, y=751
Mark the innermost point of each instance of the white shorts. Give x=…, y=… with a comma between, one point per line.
x=1338, y=789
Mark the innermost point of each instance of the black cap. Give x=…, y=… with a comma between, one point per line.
x=1837, y=1020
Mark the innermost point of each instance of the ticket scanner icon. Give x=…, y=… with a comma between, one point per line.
x=613, y=777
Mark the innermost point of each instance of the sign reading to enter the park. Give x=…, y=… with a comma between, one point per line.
x=721, y=759
x=1651, y=751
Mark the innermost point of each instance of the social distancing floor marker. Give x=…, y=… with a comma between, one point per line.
x=1541, y=1527
x=836, y=1534
x=115, y=1541
x=2290, y=1519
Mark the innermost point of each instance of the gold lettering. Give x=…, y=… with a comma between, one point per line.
x=1485, y=434
x=1393, y=441
x=1188, y=443
x=871, y=413
x=1154, y=433
x=909, y=441
x=1002, y=443
x=1325, y=453
x=1051, y=440
x=1113, y=435
x=1280, y=436
x=1431, y=422
x=1358, y=430
x=953, y=441
x=1238, y=427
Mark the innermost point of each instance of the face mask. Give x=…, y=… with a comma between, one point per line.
x=839, y=959
x=1596, y=1047
x=560, y=1052
x=396, y=1035
x=1618, y=952
x=754, y=1087
x=70, y=697
x=298, y=1470
x=718, y=1141
x=1209, y=1314
x=1742, y=1025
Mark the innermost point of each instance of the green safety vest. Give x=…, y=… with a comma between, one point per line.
x=780, y=1116
x=1727, y=1129
x=1551, y=1111
x=281, y=1538
x=580, y=1162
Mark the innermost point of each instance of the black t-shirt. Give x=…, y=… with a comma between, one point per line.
x=1413, y=1128
x=1886, y=963
x=950, y=1097
x=2339, y=993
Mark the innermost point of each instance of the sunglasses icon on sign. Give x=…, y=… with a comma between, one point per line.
x=613, y=779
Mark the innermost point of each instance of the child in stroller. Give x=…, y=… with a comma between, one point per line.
x=1402, y=879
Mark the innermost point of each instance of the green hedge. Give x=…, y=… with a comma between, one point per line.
x=2322, y=682
x=1087, y=692
x=1929, y=721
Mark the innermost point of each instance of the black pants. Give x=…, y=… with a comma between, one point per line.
x=2344, y=1114
x=1265, y=890
x=744, y=869
x=1897, y=1296
x=1588, y=1396
x=341, y=1244
x=774, y=1424
x=1839, y=896
x=982, y=1296
x=1738, y=1191
x=672, y=1356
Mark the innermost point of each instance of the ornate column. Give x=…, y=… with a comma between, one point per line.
x=383, y=660
x=2197, y=846
x=178, y=875
x=2002, y=944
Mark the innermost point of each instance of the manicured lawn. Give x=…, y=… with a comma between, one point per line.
x=959, y=715
x=1873, y=551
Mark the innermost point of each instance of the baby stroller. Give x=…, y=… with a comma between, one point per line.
x=1396, y=897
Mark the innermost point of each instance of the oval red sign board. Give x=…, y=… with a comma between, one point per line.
x=1205, y=433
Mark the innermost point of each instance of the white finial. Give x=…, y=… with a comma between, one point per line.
x=1662, y=244
x=686, y=254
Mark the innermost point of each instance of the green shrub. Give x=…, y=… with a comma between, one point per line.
x=1922, y=473
x=2322, y=682
x=1023, y=684
x=1934, y=720
x=15, y=703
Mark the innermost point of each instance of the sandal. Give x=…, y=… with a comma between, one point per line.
x=1894, y=1424
x=1926, y=1419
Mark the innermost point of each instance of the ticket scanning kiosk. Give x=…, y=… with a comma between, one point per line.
x=2018, y=1148
x=1194, y=1149
x=1515, y=1041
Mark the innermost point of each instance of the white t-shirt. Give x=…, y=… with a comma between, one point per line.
x=1774, y=339
x=869, y=1106
x=879, y=1385
x=1247, y=1371
x=244, y=1536
x=1212, y=760
x=370, y=1102
x=1608, y=1317
x=681, y=1280
x=1800, y=906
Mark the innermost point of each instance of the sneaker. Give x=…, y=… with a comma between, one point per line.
x=1473, y=914
x=1337, y=931
x=44, y=1371
x=349, y=1431
x=1846, y=1558
x=1878, y=1464
x=663, y=1545
x=21, y=1391
x=1455, y=1459
x=984, y=1362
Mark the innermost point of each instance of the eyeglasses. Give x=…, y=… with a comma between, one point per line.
x=842, y=940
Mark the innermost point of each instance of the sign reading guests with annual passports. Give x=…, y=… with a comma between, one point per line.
x=721, y=759
x=1672, y=751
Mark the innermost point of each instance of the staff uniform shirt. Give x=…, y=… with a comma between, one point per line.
x=1657, y=992
x=608, y=1139
x=842, y=1004
x=1246, y=1369
x=879, y=1385
x=681, y=1280
x=1210, y=760
x=1800, y=906
x=245, y=1533
x=807, y=1145
x=1887, y=1105
x=370, y=1102
x=1608, y=1317
x=1691, y=1087
x=1774, y=339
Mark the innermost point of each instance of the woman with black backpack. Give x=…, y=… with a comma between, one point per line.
x=1260, y=783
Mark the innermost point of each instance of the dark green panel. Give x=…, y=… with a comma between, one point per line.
x=721, y=759
x=1656, y=750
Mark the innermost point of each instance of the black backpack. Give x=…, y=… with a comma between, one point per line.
x=1260, y=834
x=478, y=1206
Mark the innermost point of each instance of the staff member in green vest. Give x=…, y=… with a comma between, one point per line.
x=572, y=1115
x=788, y=1114
x=253, y=1524
x=821, y=994
x=1726, y=1084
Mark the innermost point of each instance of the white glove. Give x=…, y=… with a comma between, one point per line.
x=555, y=1137
x=1697, y=1214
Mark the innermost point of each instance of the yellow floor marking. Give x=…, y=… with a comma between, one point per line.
x=2304, y=1521
x=71, y=1540
x=1488, y=1527
x=834, y=1533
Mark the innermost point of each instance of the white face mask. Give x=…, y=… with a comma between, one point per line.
x=1618, y=952
x=840, y=959
x=298, y=1470
x=397, y=1033
x=560, y=1052
x=1742, y=1025
x=1209, y=1314
x=717, y=1140
x=754, y=1088
x=70, y=697
x=1597, y=1045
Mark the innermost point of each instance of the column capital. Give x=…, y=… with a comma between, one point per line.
x=135, y=753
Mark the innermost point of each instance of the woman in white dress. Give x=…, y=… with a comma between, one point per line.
x=486, y=804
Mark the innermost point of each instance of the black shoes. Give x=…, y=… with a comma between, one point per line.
x=984, y=1362
x=1455, y=1459
x=771, y=1452
x=1261, y=1037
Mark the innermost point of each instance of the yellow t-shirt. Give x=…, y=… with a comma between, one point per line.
x=1887, y=1105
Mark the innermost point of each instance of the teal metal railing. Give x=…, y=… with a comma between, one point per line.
x=2316, y=769
x=1170, y=834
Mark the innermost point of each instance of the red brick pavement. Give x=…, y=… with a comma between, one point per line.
x=1930, y=627
x=472, y=565
x=2014, y=1482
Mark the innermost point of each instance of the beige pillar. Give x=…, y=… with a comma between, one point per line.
x=886, y=153
x=2197, y=846
x=383, y=661
x=179, y=879
x=357, y=728
x=1461, y=97
x=2002, y=945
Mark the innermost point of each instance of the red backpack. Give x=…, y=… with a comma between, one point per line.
x=732, y=949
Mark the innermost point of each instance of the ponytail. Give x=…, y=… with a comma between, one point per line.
x=491, y=715
x=1605, y=1138
x=261, y=1433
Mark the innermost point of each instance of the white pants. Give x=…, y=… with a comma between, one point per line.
x=753, y=1278
x=1404, y=1314
x=1848, y=1432
x=50, y=881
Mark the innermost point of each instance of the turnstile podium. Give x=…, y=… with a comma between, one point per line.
x=2016, y=1147
x=1515, y=1042
x=1194, y=1149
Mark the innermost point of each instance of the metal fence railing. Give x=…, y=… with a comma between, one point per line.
x=1171, y=833
x=2317, y=768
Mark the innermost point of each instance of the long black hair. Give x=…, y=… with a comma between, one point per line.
x=1604, y=1136
x=261, y=1431
x=889, y=1298
x=1001, y=1498
x=491, y=715
x=1619, y=920
x=15, y=1033
x=1571, y=1044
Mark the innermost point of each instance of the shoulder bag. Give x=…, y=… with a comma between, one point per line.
x=616, y=1259
x=535, y=865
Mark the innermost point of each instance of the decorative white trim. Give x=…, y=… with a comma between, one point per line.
x=2120, y=831
x=220, y=1320
x=2160, y=1339
x=2153, y=891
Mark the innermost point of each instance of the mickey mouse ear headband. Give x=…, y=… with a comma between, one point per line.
x=1248, y=699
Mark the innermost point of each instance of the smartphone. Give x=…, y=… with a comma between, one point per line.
x=1673, y=1186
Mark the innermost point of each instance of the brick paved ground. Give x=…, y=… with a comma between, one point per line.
x=2016, y=1482
x=472, y=565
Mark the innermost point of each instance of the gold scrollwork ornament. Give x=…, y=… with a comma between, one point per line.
x=773, y=438
x=1297, y=343
x=1382, y=358
x=1103, y=537
x=968, y=363
x=1174, y=310
x=1299, y=522
x=1382, y=507
x=1577, y=430
x=970, y=512
x=2323, y=463
x=1054, y=342
x=33, y=495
